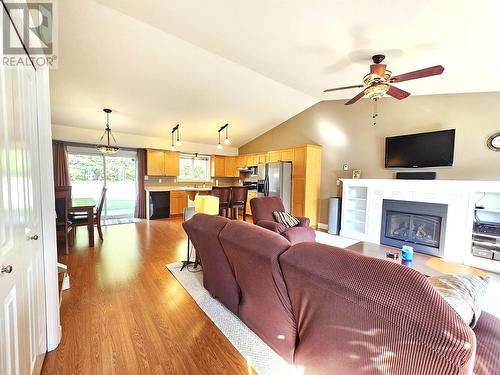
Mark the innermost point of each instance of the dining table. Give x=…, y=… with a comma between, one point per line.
x=85, y=205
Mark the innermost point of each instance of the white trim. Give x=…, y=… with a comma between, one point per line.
x=48, y=212
x=322, y=226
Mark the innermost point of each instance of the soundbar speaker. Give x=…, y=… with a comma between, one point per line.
x=416, y=175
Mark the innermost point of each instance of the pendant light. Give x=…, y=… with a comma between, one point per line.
x=219, y=146
x=108, y=148
x=226, y=140
x=175, y=137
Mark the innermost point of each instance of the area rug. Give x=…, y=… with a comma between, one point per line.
x=123, y=220
x=332, y=240
x=257, y=353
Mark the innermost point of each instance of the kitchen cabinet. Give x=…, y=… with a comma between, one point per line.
x=299, y=162
x=252, y=160
x=241, y=161
x=251, y=194
x=171, y=163
x=178, y=202
x=273, y=156
x=261, y=158
x=155, y=161
x=306, y=176
x=162, y=163
x=218, y=166
x=230, y=169
x=224, y=166
x=287, y=155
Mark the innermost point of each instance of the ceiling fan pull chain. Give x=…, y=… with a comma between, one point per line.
x=375, y=111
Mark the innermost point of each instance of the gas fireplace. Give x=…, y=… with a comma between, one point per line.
x=418, y=224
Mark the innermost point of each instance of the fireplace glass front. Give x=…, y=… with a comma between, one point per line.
x=419, y=229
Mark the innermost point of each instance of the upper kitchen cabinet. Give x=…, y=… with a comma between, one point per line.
x=224, y=166
x=162, y=163
x=273, y=156
x=155, y=161
x=231, y=170
x=242, y=161
x=218, y=166
x=171, y=163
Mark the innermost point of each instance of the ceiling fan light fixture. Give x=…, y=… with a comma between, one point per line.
x=376, y=91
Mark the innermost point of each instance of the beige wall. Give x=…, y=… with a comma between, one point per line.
x=348, y=136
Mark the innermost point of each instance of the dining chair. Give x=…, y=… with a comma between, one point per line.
x=239, y=196
x=224, y=195
x=81, y=220
x=64, y=227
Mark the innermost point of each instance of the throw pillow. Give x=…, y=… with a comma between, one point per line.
x=285, y=218
x=464, y=293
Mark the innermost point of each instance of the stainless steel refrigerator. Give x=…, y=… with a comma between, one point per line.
x=275, y=180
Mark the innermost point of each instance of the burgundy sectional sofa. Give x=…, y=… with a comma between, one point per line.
x=333, y=311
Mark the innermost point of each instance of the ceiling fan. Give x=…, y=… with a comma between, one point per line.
x=379, y=81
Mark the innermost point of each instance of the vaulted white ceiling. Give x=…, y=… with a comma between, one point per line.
x=254, y=64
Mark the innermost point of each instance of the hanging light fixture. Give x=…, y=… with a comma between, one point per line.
x=219, y=146
x=108, y=148
x=175, y=138
x=226, y=140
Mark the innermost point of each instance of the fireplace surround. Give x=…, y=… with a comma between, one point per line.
x=421, y=225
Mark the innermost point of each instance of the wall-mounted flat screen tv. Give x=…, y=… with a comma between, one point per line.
x=433, y=149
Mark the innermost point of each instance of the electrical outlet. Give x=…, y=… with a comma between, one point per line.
x=160, y=180
x=346, y=167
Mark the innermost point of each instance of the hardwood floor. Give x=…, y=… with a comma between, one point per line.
x=126, y=314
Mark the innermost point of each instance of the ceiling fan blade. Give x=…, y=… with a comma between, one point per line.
x=343, y=88
x=422, y=73
x=397, y=93
x=356, y=98
x=378, y=69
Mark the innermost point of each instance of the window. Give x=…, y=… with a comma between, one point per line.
x=194, y=168
x=90, y=170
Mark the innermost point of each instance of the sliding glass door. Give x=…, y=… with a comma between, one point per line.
x=90, y=170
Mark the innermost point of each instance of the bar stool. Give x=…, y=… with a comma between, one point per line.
x=224, y=195
x=239, y=196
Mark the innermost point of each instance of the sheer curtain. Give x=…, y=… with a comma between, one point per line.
x=61, y=172
x=140, y=202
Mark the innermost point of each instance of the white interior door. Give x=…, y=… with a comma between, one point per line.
x=22, y=293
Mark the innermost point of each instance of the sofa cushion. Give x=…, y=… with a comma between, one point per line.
x=265, y=306
x=361, y=315
x=285, y=218
x=203, y=230
x=464, y=293
x=487, y=333
x=296, y=235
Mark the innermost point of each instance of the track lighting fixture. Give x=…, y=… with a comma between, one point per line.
x=226, y=140
x=175, y=137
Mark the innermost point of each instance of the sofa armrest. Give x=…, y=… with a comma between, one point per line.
x=303, y=221
x=271, y=225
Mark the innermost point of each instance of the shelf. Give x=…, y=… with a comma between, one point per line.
x=356, y=221
x=362, y=210
x=485, y=235
x=494, y=210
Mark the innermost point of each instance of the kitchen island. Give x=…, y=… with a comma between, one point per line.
x=166, y=201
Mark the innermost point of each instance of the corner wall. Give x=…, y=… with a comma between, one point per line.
x=348, y=136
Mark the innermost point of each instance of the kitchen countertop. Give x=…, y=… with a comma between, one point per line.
x=177, y=188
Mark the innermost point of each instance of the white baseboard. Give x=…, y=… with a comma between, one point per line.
x=322, y=226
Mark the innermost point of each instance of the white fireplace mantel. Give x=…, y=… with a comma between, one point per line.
x=362, y=210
